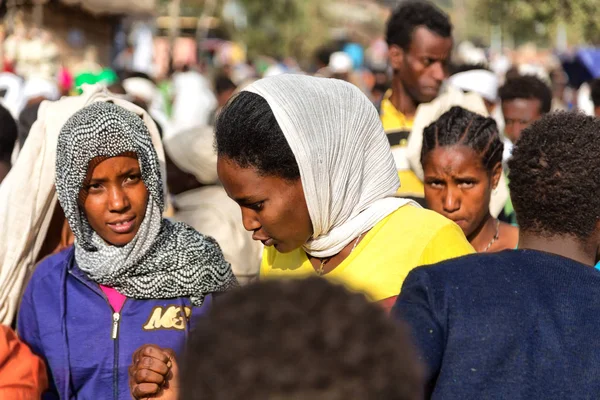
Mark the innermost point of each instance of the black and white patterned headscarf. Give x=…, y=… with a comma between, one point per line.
x=165, y=259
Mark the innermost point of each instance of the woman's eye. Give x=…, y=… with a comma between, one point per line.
x=132, y=178
x=256, y=206
x=94, y=186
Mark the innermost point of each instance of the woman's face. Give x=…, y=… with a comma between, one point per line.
x=458, y=186
x=272, y=207
x=114, y=199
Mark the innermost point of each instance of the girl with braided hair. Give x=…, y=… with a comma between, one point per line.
x=462, y=163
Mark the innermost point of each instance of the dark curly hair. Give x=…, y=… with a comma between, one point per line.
x=248, y=133
x=299, y=340
x=527, y=87
x=412, y=14
x=595, y=92
x=555, y=167
x=463, y=127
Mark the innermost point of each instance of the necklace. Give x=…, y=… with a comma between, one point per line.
x=496, y=236
x=324, y=261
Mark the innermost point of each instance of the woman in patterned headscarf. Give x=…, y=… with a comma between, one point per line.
x=132, y=277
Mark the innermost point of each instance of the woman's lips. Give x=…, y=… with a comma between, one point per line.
x=268, y=242
x=122, y=227
x=461, y=222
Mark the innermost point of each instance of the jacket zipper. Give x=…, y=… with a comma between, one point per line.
x=115, y=330
x=115, y=337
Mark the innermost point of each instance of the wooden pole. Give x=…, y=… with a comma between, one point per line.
x=210, y=7
x=38, y=13
x=174, y=11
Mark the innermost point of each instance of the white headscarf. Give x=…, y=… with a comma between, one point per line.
x=480, y=81
x=13, y=100
x=193, y=152
x=194, y=102
x=346, y=166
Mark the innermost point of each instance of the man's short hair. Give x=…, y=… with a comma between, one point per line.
x=527, y=87
x=412, y=14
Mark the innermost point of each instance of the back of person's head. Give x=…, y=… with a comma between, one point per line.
x=138, y=74
x=460, y=127
x=8, y=135
x=224, y=84
x=117, y=88
x=458, y=68
x=412, y=14
x=595, y=92
x=322, y=55
x=555, y=176
x=527, y=87
x=26, y=120
x=299, y=340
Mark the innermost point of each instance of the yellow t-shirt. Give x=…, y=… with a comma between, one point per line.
x=407, y=238
x=397, y=127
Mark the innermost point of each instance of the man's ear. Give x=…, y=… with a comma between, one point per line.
x=396, y=56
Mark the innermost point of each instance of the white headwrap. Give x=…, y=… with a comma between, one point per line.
x=480, y=81
x=142, y=88
x=346, y=166
x=193, y=152
x=40, y=87
x=13, y=100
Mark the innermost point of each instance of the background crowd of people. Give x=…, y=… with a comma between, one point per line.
x=424, y=230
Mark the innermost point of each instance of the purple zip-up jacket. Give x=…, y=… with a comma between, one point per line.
x=67, y=320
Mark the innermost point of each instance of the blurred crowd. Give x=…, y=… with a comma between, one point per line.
x=438, y=198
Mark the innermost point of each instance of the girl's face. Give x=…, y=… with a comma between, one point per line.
x=458, y=186
x=114, y=199
x=272, y=207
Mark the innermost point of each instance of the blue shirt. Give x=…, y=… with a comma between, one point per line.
x=511, y=325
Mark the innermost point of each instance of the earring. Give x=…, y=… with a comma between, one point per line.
x=495, y=191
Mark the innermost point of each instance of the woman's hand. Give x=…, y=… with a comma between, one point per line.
x=154, y=374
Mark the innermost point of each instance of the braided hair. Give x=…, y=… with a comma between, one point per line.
x=460, y=127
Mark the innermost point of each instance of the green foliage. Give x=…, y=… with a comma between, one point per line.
x=282, y=27
x=520, y=18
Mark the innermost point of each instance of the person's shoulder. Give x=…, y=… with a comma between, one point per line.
x=420, y=221
x=472, y=266
x=414, y=213
x=54, y=264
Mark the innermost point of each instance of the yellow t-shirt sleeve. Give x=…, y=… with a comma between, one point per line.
x=448, y=242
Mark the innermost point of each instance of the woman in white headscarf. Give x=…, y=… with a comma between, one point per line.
x=310, y=166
